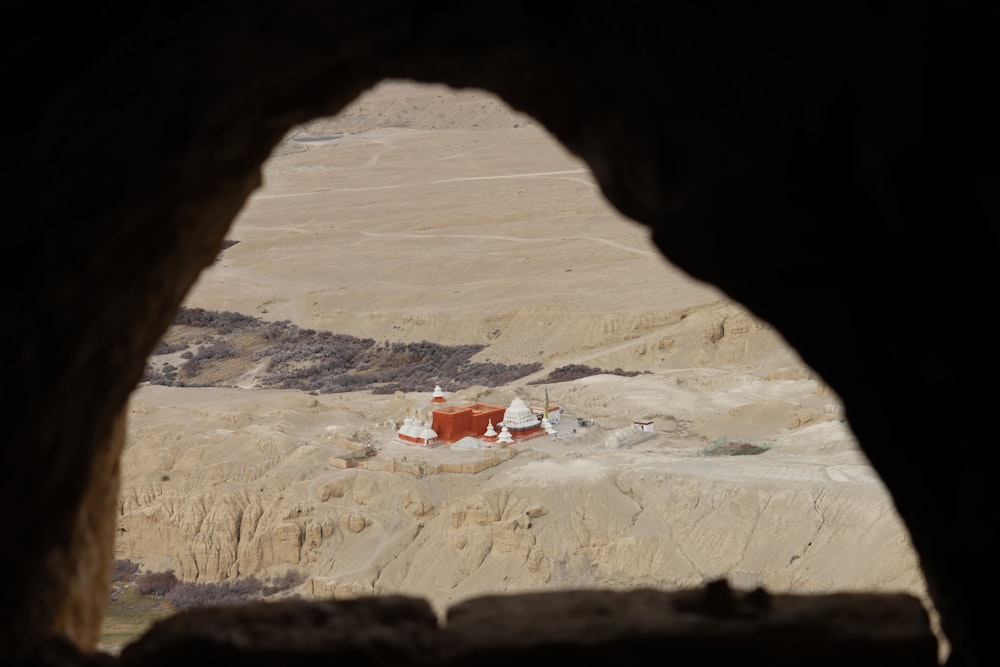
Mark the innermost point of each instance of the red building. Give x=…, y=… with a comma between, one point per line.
x=451, y=423
x=454, y=422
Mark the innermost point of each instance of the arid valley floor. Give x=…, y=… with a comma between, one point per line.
x=425, y=214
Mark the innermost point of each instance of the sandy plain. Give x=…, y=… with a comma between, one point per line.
x=422, y=213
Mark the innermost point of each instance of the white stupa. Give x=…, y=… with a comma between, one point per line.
x=438, y=396
x=407, y=423
x=428, y=435
x=518, y=415
x=505, y=437
x=520, y=419
x=414, y=428
x=416, y=432
x=490, y=436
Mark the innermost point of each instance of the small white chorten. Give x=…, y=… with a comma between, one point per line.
x=405, y=427
x=428, y=435
x=490, y=436
x=505, y=437
x=414, y=428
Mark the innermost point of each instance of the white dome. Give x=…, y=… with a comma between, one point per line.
x=428, y=434
x=519, y=416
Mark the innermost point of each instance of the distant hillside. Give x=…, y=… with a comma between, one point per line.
x=421, y=107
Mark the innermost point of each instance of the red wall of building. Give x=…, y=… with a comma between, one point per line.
x=454, y=423
x=482, y=415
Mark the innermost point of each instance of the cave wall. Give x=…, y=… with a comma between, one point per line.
x=832, y=168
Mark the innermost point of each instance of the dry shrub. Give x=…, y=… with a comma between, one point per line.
x=156, y=583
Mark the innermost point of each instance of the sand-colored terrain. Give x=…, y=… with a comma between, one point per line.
x=420, y=214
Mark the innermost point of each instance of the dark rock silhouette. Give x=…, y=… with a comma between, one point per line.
x=832, y=168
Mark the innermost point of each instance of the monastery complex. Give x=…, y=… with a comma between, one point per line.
x=490, y=425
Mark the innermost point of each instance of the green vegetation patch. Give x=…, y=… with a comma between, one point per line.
x=130, y=614
x=139, y=599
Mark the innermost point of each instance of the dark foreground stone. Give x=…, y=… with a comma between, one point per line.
x=709, y=626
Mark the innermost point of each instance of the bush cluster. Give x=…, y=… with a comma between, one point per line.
x=162, y=347
x=491, y=374
x=325, y=362
x=165, y=375
x=156, y=583
x=214, y=348
x=577, y=371
x=223, y=322
x=282, y=582
x=723, y=447
x=188, y=595
x=124, y=571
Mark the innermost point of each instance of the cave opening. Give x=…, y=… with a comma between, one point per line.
x=421, y=213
